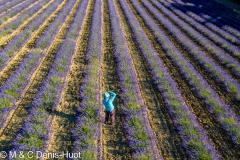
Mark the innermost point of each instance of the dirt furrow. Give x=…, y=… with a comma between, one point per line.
x=6, y=39
x=220, y=89
x=63, y=121
x=168, y=141
x=16, y=60
x=17, y=116
x=113, y=136
x=13, y=7
x=17, y=15
x=222, y=142
x=204, y=50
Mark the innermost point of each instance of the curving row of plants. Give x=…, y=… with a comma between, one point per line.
x=13, y=45
x=209, y=15
x=15, y=13
x=219, y=41
x=14, y=86
x=220, y=11
x=52, y=29
x=86, y=132
x=23, y=37
x=224, y=59
x=35, y=132
x=222, y=112
x=8, y=28
x=194, y=138
x=214, y=13
x=8, y=37
x=10, y=5
x=16, y=60
x=12, y=89
x=140, y=137
x=231, y=30
x=9, y=20
x=231, y=86
x=229, y=37
x=19, y=80
x=37, y=78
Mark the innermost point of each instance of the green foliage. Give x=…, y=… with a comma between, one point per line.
x=32, y=140
x=132, y=106
x=5, y=103
x=11, y=93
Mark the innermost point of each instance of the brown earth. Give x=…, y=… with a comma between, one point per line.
x=64, y=121
x=17, y=116
x=203, y=49
x=222, y=142
x=113, y=136
x=16, y=60
x=18, y=14
x=12, y=7
x=220, y=89
x=168, y=142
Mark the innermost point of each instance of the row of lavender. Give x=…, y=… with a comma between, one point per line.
x=219, y=11
x=222, y=112
x=10, y=27
x=86, y=132
x=231, y=85
x=17, y=42
x=140, y=137
x=35, y=132
x=12, y=89
x=215, y=13
x=18, y=10
x=210, y=16
x=229, y=37
x=3, y=2
x=14, y=86
x=224, y=59
x=194, y=138
x=7, y=6
x=219, y=41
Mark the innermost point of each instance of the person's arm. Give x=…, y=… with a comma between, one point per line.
x=113, y=95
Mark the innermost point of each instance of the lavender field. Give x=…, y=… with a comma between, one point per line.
x=174, y=64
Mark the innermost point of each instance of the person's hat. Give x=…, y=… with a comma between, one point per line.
x=106, y=95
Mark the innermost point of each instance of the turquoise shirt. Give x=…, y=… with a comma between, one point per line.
x=108, y=102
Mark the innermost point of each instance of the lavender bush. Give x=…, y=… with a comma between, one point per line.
x=140, y=137
x=231, y=38
x=35, y=132
x=231, y=86
x=223, y=113
x=194, y=138
x=21, y=39
x=7, y=6
x=87, y=128
x=205, y=31
x=12, y=89
x=10, y=27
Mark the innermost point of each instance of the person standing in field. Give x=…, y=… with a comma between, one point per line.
x=109, y=107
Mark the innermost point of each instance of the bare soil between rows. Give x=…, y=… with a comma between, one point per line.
x=222, y=142
x=202, y=48
x=18, y=57
x=113, y=136
x=169, y=144
x=64, y=122
x=17, y=116
x=16, y=16
x=218, y=87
